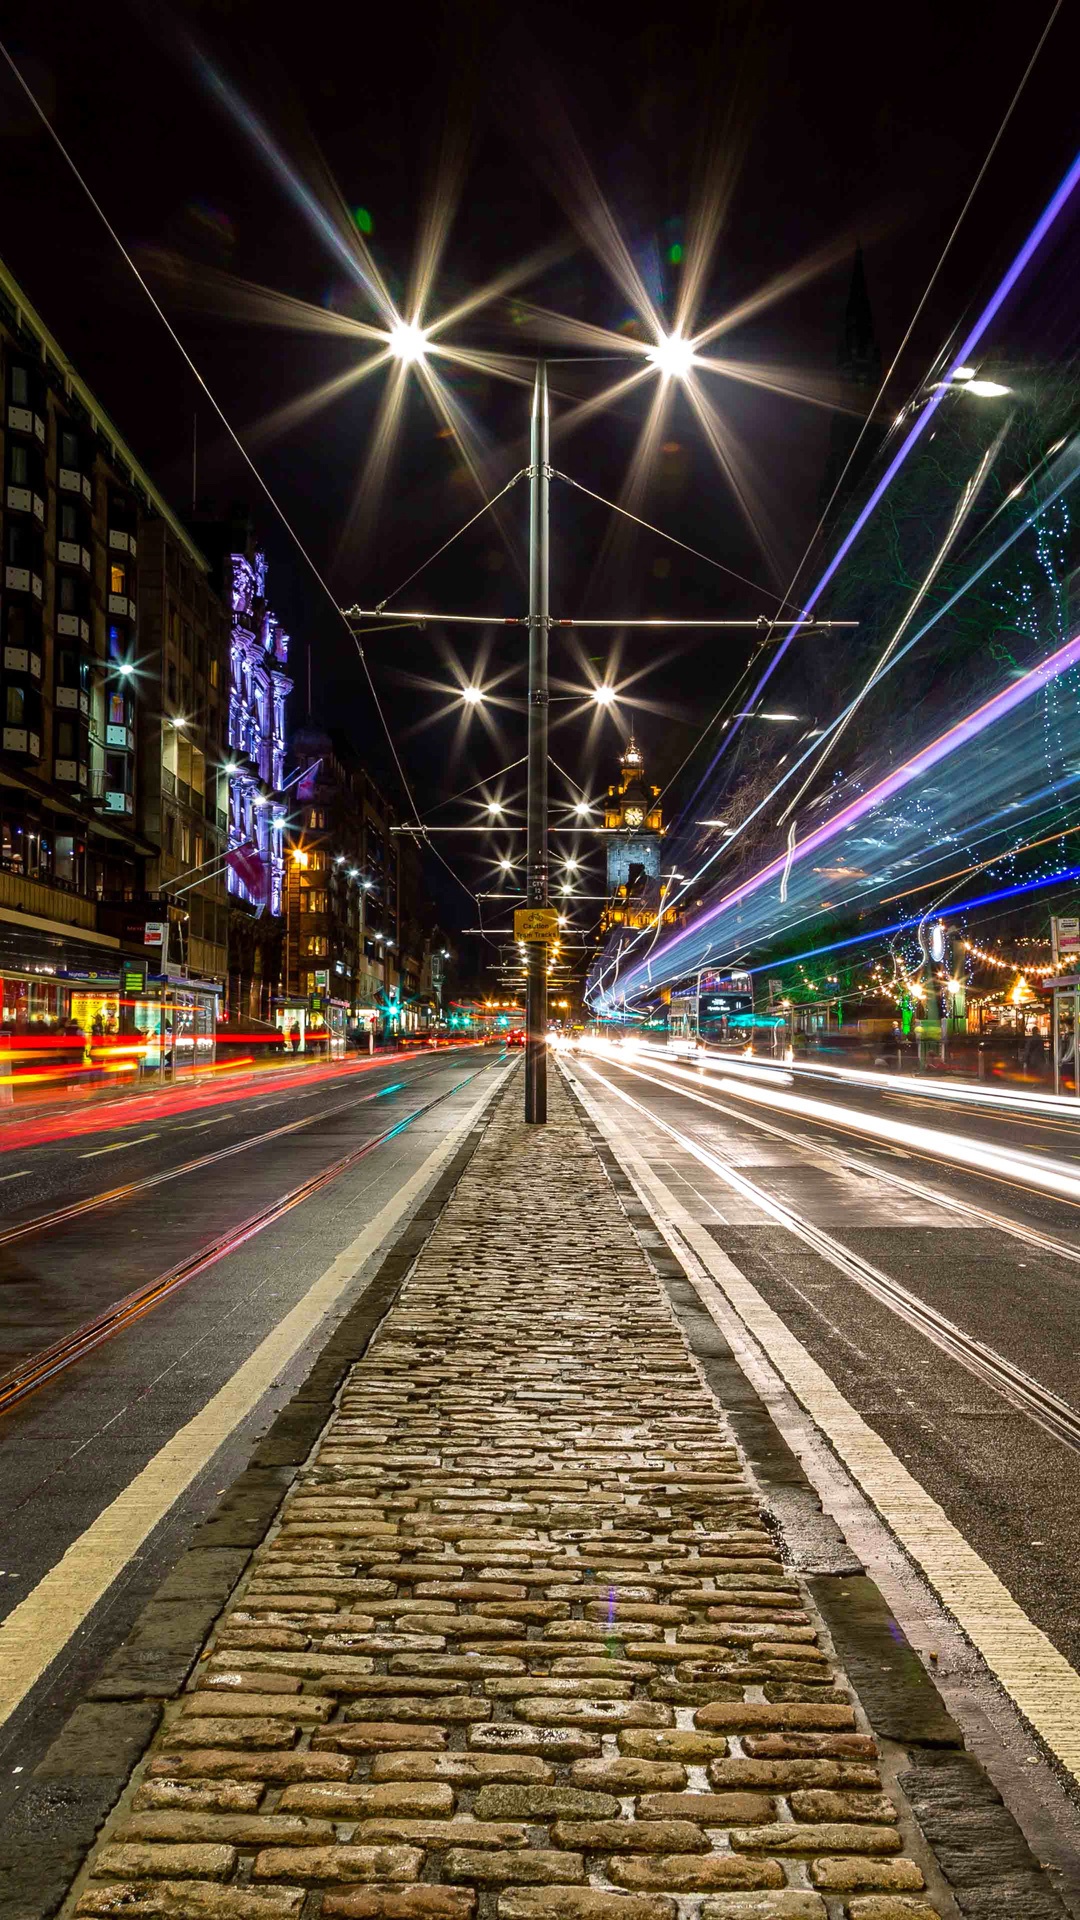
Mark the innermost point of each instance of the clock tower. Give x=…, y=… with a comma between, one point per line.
x=632, y=809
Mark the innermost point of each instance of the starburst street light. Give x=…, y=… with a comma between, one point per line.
x=673, y=356
x=407, y=342
x=472, y=696
x=604, y=695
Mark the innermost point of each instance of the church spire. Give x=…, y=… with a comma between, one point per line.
x=859, y=357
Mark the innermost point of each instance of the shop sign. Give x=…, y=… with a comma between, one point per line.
x=322, y=979
x=1065, y=935
x=154, y=933
x=132, y=976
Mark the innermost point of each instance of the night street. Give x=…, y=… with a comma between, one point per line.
x=539, y=963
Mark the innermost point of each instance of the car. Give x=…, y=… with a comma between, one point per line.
x=516, y=1037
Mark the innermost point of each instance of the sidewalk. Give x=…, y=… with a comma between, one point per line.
x=522, y=1644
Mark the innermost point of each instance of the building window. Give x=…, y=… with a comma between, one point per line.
x=317, y=817
x=69, y=521
x=215, y=672
x=69, y=448
x=313, y=900
x=117, y=710
x=67, y=593
x=65, y=739
x=18, y=464
x=117, y=579
x=20, y=387
x=314, y=946
x=171, y=680
x=170, y=833
x=14, y=706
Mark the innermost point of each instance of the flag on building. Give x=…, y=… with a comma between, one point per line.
x=249, y=866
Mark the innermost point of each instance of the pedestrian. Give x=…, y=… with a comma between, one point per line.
x=294, y=1036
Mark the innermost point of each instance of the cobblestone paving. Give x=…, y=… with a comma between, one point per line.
x=521, y=1647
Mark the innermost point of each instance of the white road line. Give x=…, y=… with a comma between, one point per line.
x=1045, y=1688
x=38, y=1629
x=119, y=1146
x=194, y=1126
x=21, y=1175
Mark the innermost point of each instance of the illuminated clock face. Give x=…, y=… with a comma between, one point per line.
x=633, y=816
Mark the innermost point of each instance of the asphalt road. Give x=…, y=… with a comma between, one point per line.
x=1009, y=1486
x=83, y=1438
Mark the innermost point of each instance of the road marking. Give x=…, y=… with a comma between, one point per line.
x=21, y=1175
x=1037, y=1677
x=38, y=1629
x=119, y=1146
x=193, y=1126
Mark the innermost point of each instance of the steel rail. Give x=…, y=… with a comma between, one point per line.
x=1053, y=1414
x=38, y=1368
x=41, y=1222
x=917, y=1153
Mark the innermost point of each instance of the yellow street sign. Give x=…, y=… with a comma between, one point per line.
x=533, y=924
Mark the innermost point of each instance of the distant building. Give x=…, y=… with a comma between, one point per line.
x=258, y=689
x=632, y=809
x=353, y=912
x=183, y=787
x=858, y=360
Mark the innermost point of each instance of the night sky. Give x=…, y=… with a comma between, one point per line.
x=828, y=125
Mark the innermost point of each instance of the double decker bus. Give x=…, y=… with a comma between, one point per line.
x=713, y=1010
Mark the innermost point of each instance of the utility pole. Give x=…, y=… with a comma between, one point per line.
x=536, y=885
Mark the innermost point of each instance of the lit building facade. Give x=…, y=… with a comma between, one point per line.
x=259, y=687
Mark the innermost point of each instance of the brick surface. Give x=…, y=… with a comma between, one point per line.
x=521, y=1647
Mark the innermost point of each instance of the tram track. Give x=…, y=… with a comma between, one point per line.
x=1047, y=1409
x=37, y=1369
x=58, y=1216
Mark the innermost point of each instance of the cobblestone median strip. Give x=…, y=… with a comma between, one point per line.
x=521, y=1644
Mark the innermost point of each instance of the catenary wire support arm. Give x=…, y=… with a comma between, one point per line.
x=761, y=624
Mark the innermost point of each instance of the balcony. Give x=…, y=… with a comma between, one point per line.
x=22, y=580
x=73, y=699
x=22, y=740
x=49, y=902
x=122, y=542
x=71, y=480
x=71, y=554
x=72, y=626
x=25, y=500
x=24, y=420
x=70, y=773
x=120, y=604
x=22, y=660
x=117, y=736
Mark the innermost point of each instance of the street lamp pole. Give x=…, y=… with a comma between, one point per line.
x=537, y=803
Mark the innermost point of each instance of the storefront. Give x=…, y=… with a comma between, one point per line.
x=1064, y=1027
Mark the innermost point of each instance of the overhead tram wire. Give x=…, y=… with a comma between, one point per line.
x=432, y=557
x=977, y=182
x=1010, y=109
x=672, y=539
x=231, y=431
x=1046, y=219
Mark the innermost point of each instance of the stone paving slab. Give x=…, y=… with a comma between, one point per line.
x=521, y=1642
